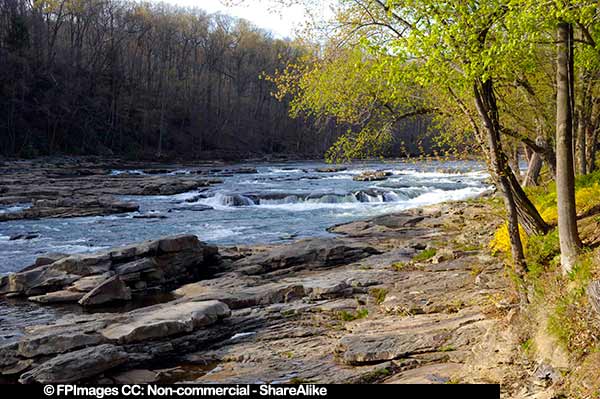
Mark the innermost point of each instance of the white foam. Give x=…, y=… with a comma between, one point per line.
x=242, y=335
x=117, y=172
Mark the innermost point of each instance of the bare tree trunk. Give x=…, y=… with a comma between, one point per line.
x=581, y=143
x=565, y=176
x=487, y=109
x=533, y=170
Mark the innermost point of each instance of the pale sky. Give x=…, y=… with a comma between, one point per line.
x=260, y=12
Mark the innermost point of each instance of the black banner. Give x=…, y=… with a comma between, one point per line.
x=249, y=391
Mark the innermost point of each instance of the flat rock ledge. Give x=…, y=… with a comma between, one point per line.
x=75, y=349
x=69, y=207
x=114, y=275
x=356, y=308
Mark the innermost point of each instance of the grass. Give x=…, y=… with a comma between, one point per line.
x=560, y=317
x=378, y=294
x=348, y=316
x=375, y=376
x=447, y=348
x=399, y=266
x=425, y=255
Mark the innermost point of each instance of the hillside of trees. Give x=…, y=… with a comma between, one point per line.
x=143, y=80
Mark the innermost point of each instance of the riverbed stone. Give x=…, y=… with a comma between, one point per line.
x=111, y=290
x=166, y=320
x=76, y=365
x=161, y=264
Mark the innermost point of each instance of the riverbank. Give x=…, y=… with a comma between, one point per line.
x=408, y=297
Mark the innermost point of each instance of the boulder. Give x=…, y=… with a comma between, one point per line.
x=76, y=365
x=166, y=320
x=162, y=264
x=60, y=338
x=111, y=290
x=331, y=169
x=372, y=176
x=312, y=253
x=178, y=243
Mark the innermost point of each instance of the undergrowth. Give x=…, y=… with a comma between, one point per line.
x=560, y=301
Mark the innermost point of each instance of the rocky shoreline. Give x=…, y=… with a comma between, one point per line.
x=400, y=298
x=77, y=187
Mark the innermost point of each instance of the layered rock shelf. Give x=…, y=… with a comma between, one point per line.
x=110, y=276
x=76, y=188
x=364, y=306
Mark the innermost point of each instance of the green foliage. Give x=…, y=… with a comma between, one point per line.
x=378, y=294
x=447, y=348
x=348, y=316
x=425, y=255
x=542, y=250
x=399, y=266
x=569, y=319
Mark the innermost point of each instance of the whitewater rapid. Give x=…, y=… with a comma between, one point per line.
x=279, y=202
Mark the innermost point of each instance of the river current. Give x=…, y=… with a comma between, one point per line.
x=280, y=202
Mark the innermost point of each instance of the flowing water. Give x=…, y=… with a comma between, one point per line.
x=280, y=202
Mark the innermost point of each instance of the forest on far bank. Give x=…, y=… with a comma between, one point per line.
x=142, y=80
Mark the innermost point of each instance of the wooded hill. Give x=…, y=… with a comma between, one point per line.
x=139, y=79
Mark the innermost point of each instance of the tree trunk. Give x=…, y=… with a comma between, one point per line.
x=529, y=217
x=533, y=170
x=565, y=176
x=581, y=143
x=487, y=109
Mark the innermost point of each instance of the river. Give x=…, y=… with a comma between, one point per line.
x=280, y=202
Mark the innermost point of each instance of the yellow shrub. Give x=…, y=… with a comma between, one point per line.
x=550, y=214
x=501, y=241
x=588, y=197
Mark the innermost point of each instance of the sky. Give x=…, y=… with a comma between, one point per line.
x=260, y=12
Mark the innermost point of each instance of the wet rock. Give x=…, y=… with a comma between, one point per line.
x=72, y=207
x=137, y=376
x=332, y=169
x=150, y=216
x=166, y=320
x=160, y=264
x=26, y=236
x=111, y=290
x=77, y=365
x=372, y=176
x=193, y=208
